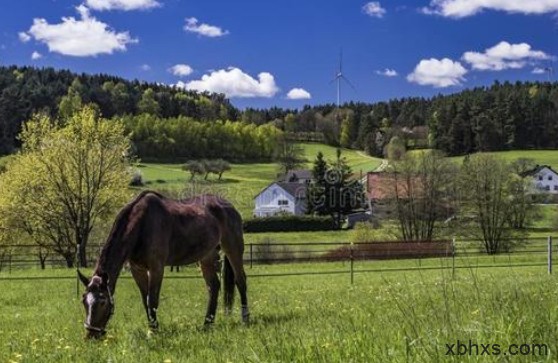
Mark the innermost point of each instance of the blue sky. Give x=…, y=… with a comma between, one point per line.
x=261, y=52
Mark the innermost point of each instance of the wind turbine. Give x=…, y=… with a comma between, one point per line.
x=338, y=77
x=549, y=71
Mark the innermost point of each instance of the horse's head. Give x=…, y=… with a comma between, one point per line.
x=98, y=303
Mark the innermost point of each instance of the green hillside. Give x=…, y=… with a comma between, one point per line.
x=541, y=157
x=244, y=181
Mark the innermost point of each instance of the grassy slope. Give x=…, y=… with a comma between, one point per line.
x=541, y=157
x=244, y=181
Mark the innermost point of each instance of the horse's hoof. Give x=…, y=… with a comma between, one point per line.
x=154, y=326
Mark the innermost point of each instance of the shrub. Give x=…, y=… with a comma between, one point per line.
x=137, y=179
x=269, y=251
x=288, y=223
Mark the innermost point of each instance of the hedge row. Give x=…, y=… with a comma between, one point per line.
x=288, y=223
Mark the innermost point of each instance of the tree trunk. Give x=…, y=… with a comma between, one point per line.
x=69, y=259
x=42, y=259
x=82, y=255
x=82, y=239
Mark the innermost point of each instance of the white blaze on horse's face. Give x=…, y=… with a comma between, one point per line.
x=99, y=306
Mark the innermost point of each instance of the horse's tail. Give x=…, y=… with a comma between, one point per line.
x=228, y=282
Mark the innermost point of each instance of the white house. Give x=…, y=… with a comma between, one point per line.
x=281, y=197
x=544, y=179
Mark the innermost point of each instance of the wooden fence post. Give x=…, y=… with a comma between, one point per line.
x=550, y=254
x=352, y=263
x=251, y=256
x=453, y=257
x=77, y=269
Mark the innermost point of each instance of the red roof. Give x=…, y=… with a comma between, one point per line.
x=382, y=185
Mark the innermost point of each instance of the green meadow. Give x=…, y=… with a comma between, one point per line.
x=395, y=311
x=383, y=317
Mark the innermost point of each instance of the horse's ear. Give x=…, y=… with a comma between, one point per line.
x=84, y=280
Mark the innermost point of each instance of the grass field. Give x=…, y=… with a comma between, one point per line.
x=383, y=317
x=541, y=157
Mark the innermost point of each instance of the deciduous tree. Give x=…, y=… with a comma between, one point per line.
x=67, y=178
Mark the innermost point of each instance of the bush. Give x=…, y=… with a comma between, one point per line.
x=288, y=223
x=137, y=179
x=269, y=251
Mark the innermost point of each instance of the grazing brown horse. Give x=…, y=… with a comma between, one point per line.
x=152, y=232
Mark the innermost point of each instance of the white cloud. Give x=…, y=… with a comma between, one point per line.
x=122, y=4
x=233, y=82
x=36, y=56
x=388, y=73
x=79, y=38
x=212, y=31
x=181, y=70
x=538, y=70
x=24, y=37
x=438, y=73
x=374, y=9
x=504, y=56
x=298, y=94
x=145, y=67
x=464, y=8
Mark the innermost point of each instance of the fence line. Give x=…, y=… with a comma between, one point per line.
x=352, y=254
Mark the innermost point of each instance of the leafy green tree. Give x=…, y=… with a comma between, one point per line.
x=68, y=177
x=148, y=104
x=289, y=155
x=194, y=167
x=395, y=149
x=72, y=102
x=486, y=185
x=222, y=166
x=345, y=138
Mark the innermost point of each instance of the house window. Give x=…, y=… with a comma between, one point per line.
x=556, y=187
x=550, y=177
x=283, y=202
x=547, y=187
x=540, y=177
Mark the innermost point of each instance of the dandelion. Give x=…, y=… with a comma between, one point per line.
x=167, y=361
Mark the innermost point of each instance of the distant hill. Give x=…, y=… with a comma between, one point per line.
x=504, y=116
x=27, y=90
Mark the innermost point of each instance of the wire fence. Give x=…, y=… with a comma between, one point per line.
x=315, y=258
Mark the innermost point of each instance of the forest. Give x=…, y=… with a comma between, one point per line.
x=25, y=91
x=503, y=116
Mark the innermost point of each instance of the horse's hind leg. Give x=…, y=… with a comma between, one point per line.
x=234, y=261
x=210, y=266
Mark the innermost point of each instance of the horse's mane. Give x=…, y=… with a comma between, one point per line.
x=117, y=229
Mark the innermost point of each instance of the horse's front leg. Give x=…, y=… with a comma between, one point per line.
x=155, y=281
x=209, y=267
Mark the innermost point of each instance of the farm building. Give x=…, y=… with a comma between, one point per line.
x=281, y=197
x=379, y=192
x=544, y=179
